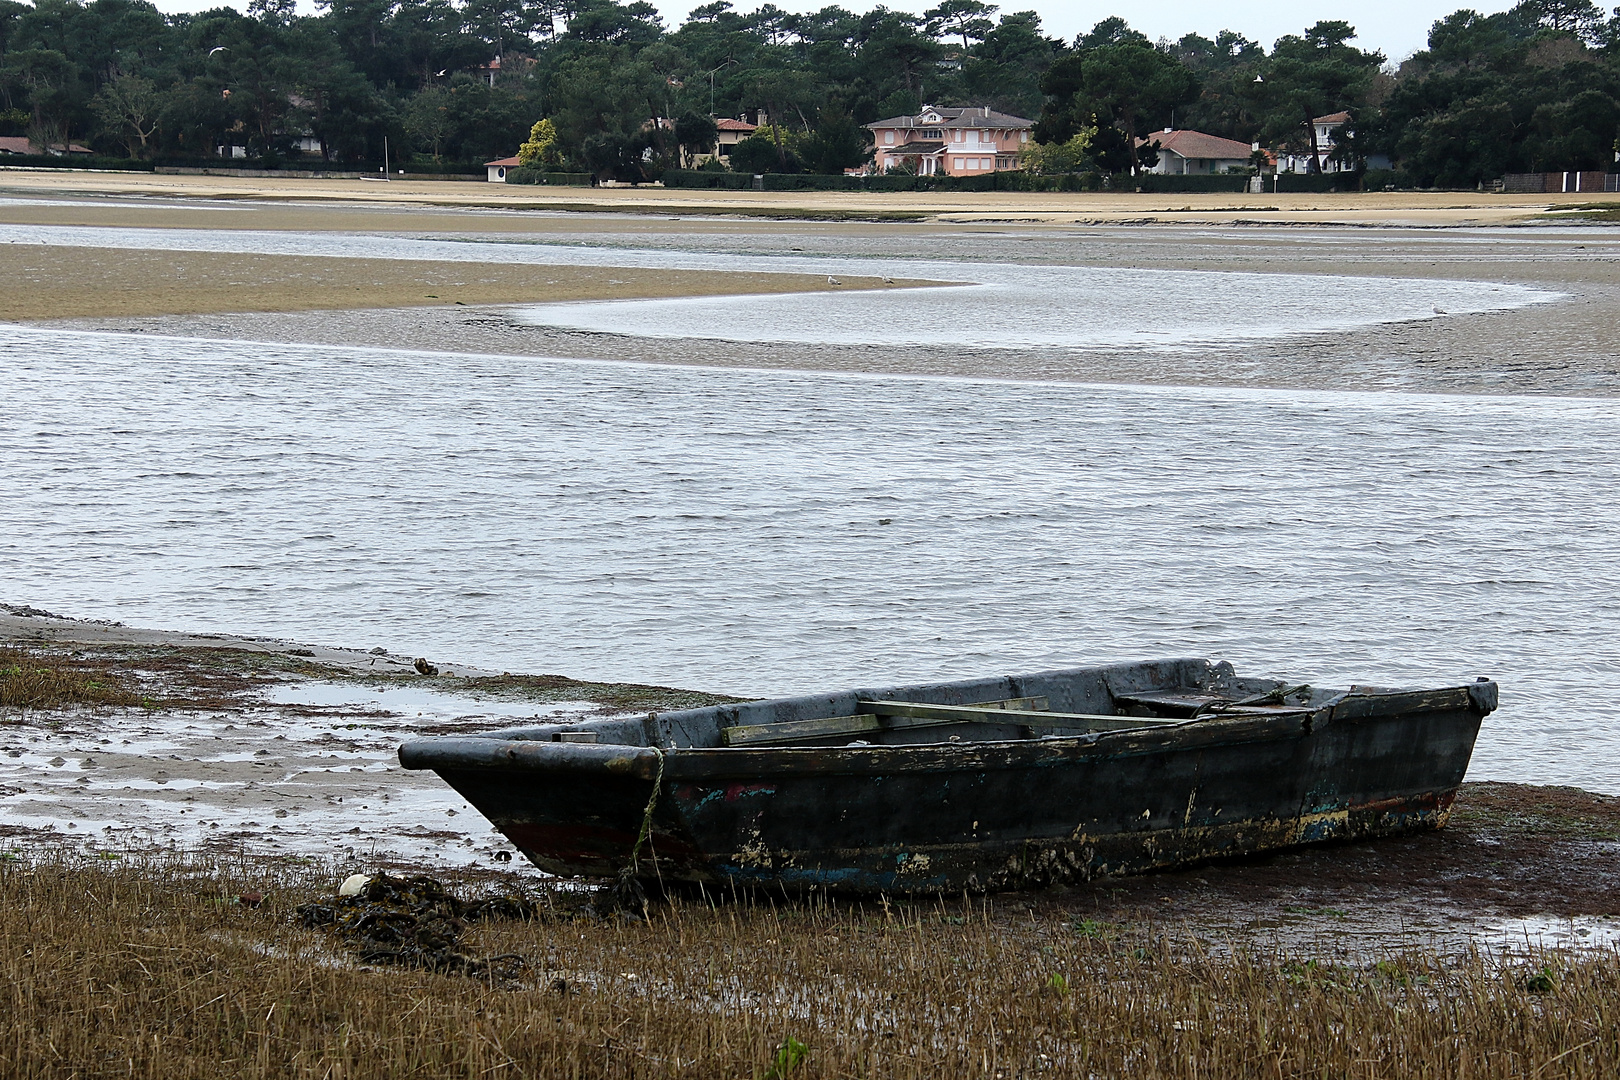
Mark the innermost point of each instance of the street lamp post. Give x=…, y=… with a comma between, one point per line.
x=722, y=67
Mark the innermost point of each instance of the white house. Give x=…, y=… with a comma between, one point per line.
x=1193, y=153
x=1329, y=129
x=956, y=142
x=729, y=133
x=497, y=169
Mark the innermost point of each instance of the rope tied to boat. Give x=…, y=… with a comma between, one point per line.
x=627, y=887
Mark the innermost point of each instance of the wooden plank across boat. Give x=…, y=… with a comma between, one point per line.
x=994, y=783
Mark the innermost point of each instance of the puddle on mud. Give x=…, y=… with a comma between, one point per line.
x=412, y=701
x=1538, y=933
x=305, y=768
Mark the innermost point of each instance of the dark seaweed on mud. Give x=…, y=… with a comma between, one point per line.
x=416, y=922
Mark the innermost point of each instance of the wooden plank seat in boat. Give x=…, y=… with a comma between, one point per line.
x=1186, y=703
x=876, y=716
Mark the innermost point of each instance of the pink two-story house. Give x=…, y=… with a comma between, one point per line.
x=956, y=142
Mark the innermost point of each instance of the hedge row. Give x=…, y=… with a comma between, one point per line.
x=74, y=161
x=989, y=181
x=1153, y=182
x=294, y=165
x=521, y=175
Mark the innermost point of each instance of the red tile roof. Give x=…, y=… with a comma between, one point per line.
x=509, y=162
x=1197, y=145
x=19, y=144
x=1333, y=118
x=726, y=123
x=957, y=118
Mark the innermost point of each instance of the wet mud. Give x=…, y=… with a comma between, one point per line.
x=260, y=749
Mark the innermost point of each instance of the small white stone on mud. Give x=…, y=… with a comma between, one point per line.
x=352, y=885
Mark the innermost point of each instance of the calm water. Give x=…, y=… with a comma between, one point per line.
x=773, y=532
x=1034, y=307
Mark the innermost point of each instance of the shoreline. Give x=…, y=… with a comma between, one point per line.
x=1445, y=208
x=273, y=750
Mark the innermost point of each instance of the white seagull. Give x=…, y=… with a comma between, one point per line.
x=833, y=281
x=218, y=48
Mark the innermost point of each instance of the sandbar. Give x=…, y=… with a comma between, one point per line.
x=52, y=282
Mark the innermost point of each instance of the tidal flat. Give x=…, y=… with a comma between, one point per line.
x=140, y=946
x=1394, y=468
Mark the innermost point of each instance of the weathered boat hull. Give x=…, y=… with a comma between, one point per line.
x=993, y=814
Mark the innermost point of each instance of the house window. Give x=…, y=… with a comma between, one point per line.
x=985, y=163
x=888, y=138
x=956, y=163
x=931, y=133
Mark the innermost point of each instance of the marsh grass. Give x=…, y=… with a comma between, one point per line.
x=147, y=968
x=37, y=680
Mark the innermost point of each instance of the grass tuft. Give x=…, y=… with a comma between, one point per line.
x=32, y=680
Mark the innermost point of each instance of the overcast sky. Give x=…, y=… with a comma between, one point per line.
x=1397, y=27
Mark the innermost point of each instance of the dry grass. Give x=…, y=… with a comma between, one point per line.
x=36, y=680
x=116, y=969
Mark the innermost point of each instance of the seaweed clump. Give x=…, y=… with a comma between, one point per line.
x=416, y=922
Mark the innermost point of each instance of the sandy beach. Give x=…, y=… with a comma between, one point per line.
x=1435, y=209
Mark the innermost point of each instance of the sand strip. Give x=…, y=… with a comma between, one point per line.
x=49, y=282
x=1399, y=208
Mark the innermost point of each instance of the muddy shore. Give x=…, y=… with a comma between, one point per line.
x=275, y=750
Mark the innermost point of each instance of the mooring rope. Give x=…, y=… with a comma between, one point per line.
x=646, y=818
x=627, y=888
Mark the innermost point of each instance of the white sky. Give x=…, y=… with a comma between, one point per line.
x=1398, y=28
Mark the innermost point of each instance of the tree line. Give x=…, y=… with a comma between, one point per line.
x=452, y=82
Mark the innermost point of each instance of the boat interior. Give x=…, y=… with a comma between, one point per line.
x=1073, y=701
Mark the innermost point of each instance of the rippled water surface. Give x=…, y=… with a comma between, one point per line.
x=774, y=532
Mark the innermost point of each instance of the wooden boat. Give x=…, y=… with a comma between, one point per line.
x=993, y=783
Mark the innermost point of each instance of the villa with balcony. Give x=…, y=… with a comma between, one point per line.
x=952, y=142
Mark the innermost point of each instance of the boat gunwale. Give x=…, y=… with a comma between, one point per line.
x=493, y=753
